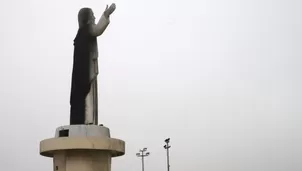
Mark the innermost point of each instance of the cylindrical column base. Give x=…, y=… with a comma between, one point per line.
x=82, y=148
x=82, y=160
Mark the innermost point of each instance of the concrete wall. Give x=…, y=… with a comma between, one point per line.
x=82, y=160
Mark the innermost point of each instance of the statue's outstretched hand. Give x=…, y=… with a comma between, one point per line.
x=110, y=10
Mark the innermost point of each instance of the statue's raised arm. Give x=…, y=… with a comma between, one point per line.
x=86, y=16
x=103, y=22
x=84, y=96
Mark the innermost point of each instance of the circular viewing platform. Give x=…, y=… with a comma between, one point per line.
x=82, y=137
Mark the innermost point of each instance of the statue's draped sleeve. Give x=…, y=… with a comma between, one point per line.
x=100, y=27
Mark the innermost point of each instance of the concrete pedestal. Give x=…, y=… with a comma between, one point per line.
x=82, y=148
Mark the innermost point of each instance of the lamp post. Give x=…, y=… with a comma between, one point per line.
x=143, y=153
x=167, y=148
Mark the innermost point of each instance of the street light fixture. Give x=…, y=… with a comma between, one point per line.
x=167, y=148
x=142, y=154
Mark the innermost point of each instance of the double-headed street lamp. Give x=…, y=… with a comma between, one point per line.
x=167, y=148
x=143, y=153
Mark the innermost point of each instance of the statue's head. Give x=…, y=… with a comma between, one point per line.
x=85, y=16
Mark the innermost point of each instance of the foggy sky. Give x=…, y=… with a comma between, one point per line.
x=221, y=78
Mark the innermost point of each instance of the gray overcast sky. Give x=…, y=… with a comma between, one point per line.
x=222, y=78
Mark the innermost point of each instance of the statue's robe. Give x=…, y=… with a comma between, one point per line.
x=83, y=98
